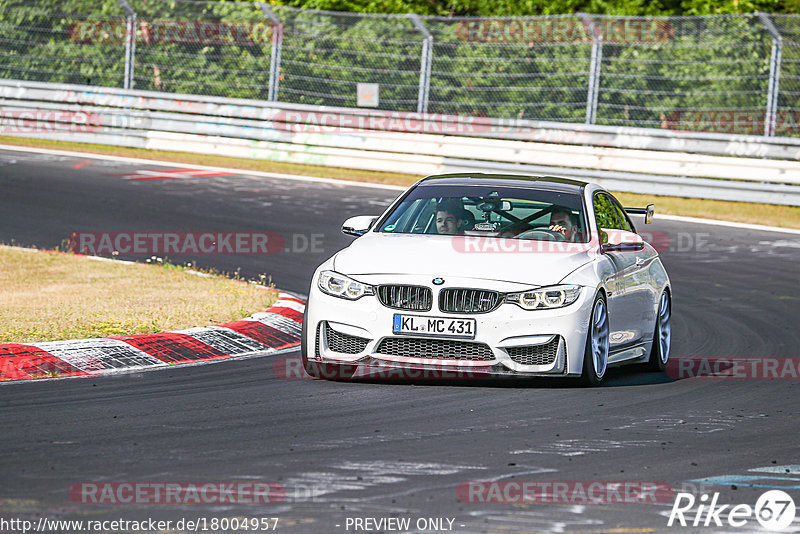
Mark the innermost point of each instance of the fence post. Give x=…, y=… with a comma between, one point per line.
x=773, y=90
x=275, y=53
x=594, y=68
x=425, y=63
x=130, y=43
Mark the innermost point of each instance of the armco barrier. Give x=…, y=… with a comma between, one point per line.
x=691, y=164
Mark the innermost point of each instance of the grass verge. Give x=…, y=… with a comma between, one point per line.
x=723, y=210
x=54, y=295
x=766, y=214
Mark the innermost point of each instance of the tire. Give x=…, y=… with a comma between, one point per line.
x=326, y=371
x=662, y=335
x=595, y=356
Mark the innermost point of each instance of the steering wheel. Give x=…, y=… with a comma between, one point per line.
x=542, y=234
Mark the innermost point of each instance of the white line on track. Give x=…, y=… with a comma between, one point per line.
x=729, y=224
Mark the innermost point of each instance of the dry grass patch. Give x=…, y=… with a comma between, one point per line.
x=745, y=212
x=51, y=296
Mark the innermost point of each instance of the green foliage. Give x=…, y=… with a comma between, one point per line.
x=35, y=42
x=496, y=8
x=704, y=7
x=697, y=68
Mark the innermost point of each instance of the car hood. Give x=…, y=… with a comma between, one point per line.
x=512, y=260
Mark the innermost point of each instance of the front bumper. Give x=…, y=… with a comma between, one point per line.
x=508, y=340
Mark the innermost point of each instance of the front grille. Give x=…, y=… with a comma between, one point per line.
x=417, y=298
x=439, y=349
x=469, y=300
x=535, y=354
x=344, y=343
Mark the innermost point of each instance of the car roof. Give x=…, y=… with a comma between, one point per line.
x=553, y=183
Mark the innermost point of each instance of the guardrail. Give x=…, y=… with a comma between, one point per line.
x=637, y=160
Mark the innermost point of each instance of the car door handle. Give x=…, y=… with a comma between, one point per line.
x=639, y=261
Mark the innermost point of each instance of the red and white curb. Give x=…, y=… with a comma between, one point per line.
x=274, y=329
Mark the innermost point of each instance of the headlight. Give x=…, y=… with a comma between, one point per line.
x=339, y=285
x=545, y=298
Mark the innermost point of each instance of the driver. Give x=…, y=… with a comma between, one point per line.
x=563, y=221
x=450, y=217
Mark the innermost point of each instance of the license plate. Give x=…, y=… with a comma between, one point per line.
x=433, y=326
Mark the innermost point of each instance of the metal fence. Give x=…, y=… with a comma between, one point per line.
x=730, y=74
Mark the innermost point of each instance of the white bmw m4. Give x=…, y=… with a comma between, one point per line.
x=491, y=275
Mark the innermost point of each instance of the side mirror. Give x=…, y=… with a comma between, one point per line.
x=358, y=225
x=612, y=240
x=647, y=212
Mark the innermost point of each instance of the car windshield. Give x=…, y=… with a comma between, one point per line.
x=487, y=210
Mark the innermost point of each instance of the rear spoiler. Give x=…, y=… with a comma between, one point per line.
x=647, y=212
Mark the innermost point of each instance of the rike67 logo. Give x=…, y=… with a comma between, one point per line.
x=774, y=510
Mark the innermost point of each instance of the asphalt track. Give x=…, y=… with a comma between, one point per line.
x=384, y=449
